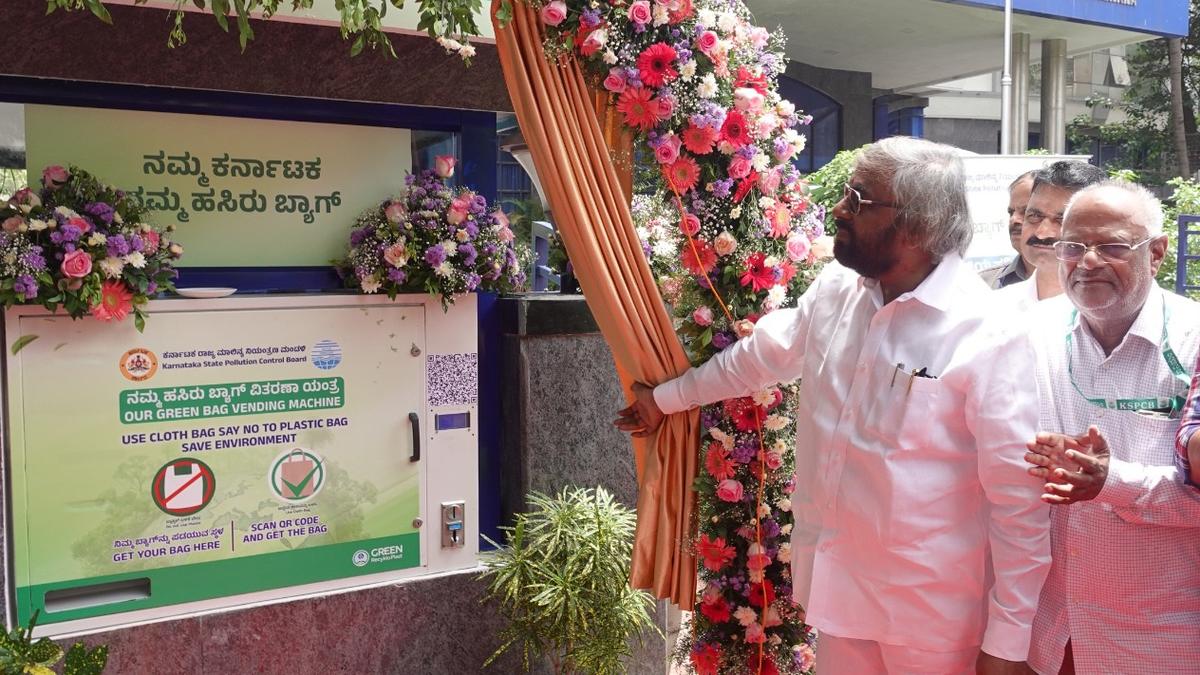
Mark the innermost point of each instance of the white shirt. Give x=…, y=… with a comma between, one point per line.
x=1021, y=296
x=903, y=483
x=1125, y=583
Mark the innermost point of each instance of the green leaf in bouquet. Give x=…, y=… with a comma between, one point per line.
x=139, y=320
x=22, y=342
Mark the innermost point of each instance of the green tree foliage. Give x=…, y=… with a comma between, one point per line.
x=826, y=183
x=562, y=582
x=362, y=20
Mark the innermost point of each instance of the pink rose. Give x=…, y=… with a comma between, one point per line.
x=798, y=247
x=394, y=212
x=594, y=42
x=739, y=167
x=79, y=223
x=458, y=209
x=150, y=241
x=666, y=106
x=554, y=12
x=25, y=197
x=774, y=459
x=77, y=264
x=747, y=99
x=707, y=42
x=13, y=224
x=639, y=13
x=743, y=328
x=729, y=490
x=768, y=182
x=54, y=177
x=395, y=255
x=443, y=165
x=703, y=316
x=668, y=150
x=504, y=234
x=725, y=243
x=690, y=225
x=500, y=217
x=615, y=82
x=765, y=125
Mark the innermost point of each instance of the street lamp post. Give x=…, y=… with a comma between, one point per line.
x=1006, y=81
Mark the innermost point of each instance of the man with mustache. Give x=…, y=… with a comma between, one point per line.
x=1123, y=594
x=919, y=544
x=1019, y=268
x=1042, y=224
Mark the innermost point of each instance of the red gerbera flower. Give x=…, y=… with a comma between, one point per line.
x=717, y=612
x=745, y=78
x=682, y=174
x=744, y=413
x=714, y=552
x=716, y=461
x=640, y=108
x=707, y=660
x=744, y=187
x=116, y=301
x=757, y=591
x=789, y=272
x=699, y=261
x=655, y=64
x=699, y=140
x=758, y=276
x=683, y=12
x=735, y=130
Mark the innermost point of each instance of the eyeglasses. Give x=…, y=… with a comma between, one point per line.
x=1073, y=251
x=855, y=202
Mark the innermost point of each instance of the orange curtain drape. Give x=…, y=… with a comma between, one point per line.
x=558, y=118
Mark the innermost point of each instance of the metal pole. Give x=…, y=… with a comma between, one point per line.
x=1020, y=93
x=1006, y=147
x=1054, y=96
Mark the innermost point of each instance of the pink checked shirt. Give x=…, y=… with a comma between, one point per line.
x=1124, y=586
x=911, y=491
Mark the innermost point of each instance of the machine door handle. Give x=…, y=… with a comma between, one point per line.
x=415, y=420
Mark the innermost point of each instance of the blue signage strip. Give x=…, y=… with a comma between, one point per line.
x=1159, y=17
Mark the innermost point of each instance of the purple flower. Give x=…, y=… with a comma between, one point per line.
x=25, y=285
x=101, y=211
x=435, y=255
x=473, y=281
x=744, y=452
x=722, y=187
x=151, y=288
x=468, y=253
x=396, y=276
x=33, y=259
x=118, y=246
x=357, y=236
x=722, y=340
x=590, y=18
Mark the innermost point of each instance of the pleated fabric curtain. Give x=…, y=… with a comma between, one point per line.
x=558, y=115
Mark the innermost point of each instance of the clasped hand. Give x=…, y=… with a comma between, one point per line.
x=1074, y=469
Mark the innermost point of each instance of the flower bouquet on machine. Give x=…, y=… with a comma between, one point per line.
x=84, y=246
x=432, y=239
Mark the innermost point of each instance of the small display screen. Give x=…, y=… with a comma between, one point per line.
x=444, y=422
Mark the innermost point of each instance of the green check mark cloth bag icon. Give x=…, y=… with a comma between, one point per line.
x=298, y=475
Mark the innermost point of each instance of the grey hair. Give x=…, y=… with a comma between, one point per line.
x=1149, y=209
x=929, y=184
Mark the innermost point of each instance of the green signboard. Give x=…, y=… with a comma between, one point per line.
x=234, y=447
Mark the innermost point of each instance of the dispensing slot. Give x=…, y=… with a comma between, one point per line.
x=94, y=595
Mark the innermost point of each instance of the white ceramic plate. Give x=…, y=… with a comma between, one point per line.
x=205, y=292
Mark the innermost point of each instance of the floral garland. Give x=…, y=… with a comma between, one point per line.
x=432, y=240
x=696, y=80
x=83, y=246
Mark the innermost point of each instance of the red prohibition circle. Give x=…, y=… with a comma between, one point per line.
x=160, y=497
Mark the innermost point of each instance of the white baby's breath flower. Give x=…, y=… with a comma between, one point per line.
x=111, y=267
x=642, y=232
x=663, y=248
x=136, y=260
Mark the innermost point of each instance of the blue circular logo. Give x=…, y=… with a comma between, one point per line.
x=360, y=558
x=326, y=354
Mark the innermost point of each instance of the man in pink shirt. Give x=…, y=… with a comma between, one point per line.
x=919, y=545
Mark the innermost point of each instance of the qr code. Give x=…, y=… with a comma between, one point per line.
x=452, y=379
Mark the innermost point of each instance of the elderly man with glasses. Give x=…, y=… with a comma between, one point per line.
x=1123, y=594
x=919, y=544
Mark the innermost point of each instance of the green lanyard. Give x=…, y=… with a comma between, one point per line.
x=1175, y=404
